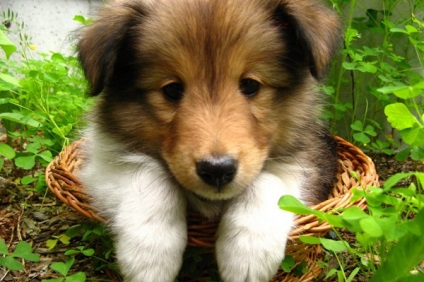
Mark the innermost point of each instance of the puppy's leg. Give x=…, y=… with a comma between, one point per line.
x=151, y=230
x=253, y=231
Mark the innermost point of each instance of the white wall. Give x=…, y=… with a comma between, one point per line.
x=49, y=22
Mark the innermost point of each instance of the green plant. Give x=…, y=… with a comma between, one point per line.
x=41, y=102
x=289, y=265
x=63, y=269
x=96, y=243
x=395, y=218
x=62, y=238
x=10, y=260
x=379, y=70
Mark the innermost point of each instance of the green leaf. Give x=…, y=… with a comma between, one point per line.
x=58, y=57
x=27, y=162
x=74, y=231
x=61, y=267
x=46, y=155
x=332, y=219
x=370, y=226
x=33, y=147
x=350, y=34
x=398, y=30
x=72, y=252
x=411, y=29
x=367, y=67
x=4, y=101
x=291, y=204
x=353, y=274
x=11, y=263
x=361, y=137
x=349, y=65
x=407, y=92
x=3, y=248
x=399, y=116
x=310, y=240
x=7, y=151
x=394, y=179
x=64, y=239
x=402, y=91
x=31, y=257
x=51, y=243
x=288, y=263
x=418, y=277
x=417, y=153
x=357, y=125
x=21, y=249
x=8, y=46
x=88, y=252
x=331, y=245
x=81, y=19
x=419, y=85
x=403, y=154
x=353, y=213
x=331, y=273
x=24, y=250
x=20, y=118
x=413, y=136
x=9, y=80
x=27, y=180
x=63, y=130
x=76, y=277
x=370, y=130
x=403, y=256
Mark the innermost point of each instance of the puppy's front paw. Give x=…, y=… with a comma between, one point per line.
x=151, y=230
x=248, y=254
x=252, y=234
x=151, y=251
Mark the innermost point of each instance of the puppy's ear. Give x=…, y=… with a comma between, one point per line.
x=102, y=46
x=315, y=31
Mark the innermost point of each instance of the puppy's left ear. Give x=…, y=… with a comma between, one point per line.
x=315, y=29
x=103, y=49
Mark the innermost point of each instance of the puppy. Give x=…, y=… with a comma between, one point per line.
x=208, y=105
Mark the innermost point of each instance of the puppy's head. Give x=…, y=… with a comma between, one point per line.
x=211, y=88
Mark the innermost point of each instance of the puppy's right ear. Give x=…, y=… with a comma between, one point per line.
x=103, y=43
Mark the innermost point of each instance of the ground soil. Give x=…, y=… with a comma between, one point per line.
x=35, y=217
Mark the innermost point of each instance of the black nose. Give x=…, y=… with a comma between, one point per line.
x=217, y=171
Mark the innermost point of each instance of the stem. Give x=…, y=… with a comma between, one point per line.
x=344, y=58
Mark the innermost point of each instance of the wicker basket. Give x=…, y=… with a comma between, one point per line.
x=67, y=187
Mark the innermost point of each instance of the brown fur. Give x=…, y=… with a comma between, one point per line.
x=138, y=47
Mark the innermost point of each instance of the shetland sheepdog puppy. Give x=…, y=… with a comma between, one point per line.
x=207, y=105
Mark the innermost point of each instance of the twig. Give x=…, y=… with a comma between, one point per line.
x=18, y=225
x=4, y=276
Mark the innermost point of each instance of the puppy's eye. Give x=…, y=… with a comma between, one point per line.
x=173, y=91
x=249, y=87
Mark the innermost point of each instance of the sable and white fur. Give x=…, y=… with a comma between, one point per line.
x=144, y=146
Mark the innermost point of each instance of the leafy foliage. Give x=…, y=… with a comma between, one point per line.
x=389, y=231
x=380, y=70
x=63, y=269
x=22, y=251
x=41, y=102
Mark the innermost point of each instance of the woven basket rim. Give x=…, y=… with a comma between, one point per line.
x=68, y=188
